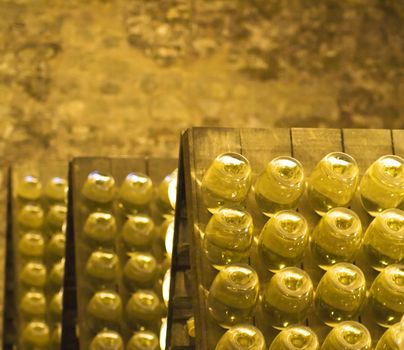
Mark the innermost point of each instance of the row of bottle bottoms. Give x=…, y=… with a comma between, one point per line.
x=36, y=335
x=288, y=298
x=349, y=335
x=135, y=193
x=284, y=239
x=332, y=183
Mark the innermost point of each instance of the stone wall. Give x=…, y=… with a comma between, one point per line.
x=124, y=77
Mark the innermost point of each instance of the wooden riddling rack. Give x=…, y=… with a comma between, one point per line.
x=13, y=323
x=200, y=146
x=180, y=307
x=74, y=315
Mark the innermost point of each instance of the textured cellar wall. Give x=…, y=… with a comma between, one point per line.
x=123, y=77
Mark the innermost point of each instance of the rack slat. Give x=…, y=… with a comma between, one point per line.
x=366, y=146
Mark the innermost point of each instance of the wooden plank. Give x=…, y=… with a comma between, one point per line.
x=398, y=142
x=366, y=146
x=186, y=171
x=309, y=147
x=201, y=147
x=177, y=316
x=398, y=148
x=82, y=167
x=70, y=338
x=120, y=168
x=210, y=145
x=8, y=321
x=157, y=169
x=260, y=146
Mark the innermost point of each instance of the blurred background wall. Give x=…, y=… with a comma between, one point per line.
x=124, y=77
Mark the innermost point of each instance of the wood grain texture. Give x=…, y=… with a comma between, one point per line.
x=309, y=147
x=398, y=142
x=81, y=168
x=201, y=146
x=182, y=295
x=260, y=146
x=7, y=321
x=366, y=146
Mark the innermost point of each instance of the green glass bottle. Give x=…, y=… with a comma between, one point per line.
x=56, y=307
x=102, y=268
x=242, y=337
x=283, y=240
x=280, y=186
x=104, y=311
x=386, y=297
x=57, y=275
x=99, y=189
x=138, y=232
x=167, y=234
x=136, y=192
x=163, y=333
x=384, y=239
x=100, y=229
x=288, y=297
x=143, y=340
x=56, y=337
x=56, y=217
x=33, y=275
x=31, y=245
x=393, y=337
x=296, y=338
x=233, y=295
x=167, y=193
x=166, y=286
x=144, y=311
x=228, y=236
x=382, y=186
x=35, y=336
x=33, y=305
x=227, y=181
x=341, y=294
x=29, y=188
x=55, y=190
x=348, y=335
x=141, y=271
x=107, y=340
x=336, y=238
x=56, y=247
x=333, y=182
x=31, y=217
